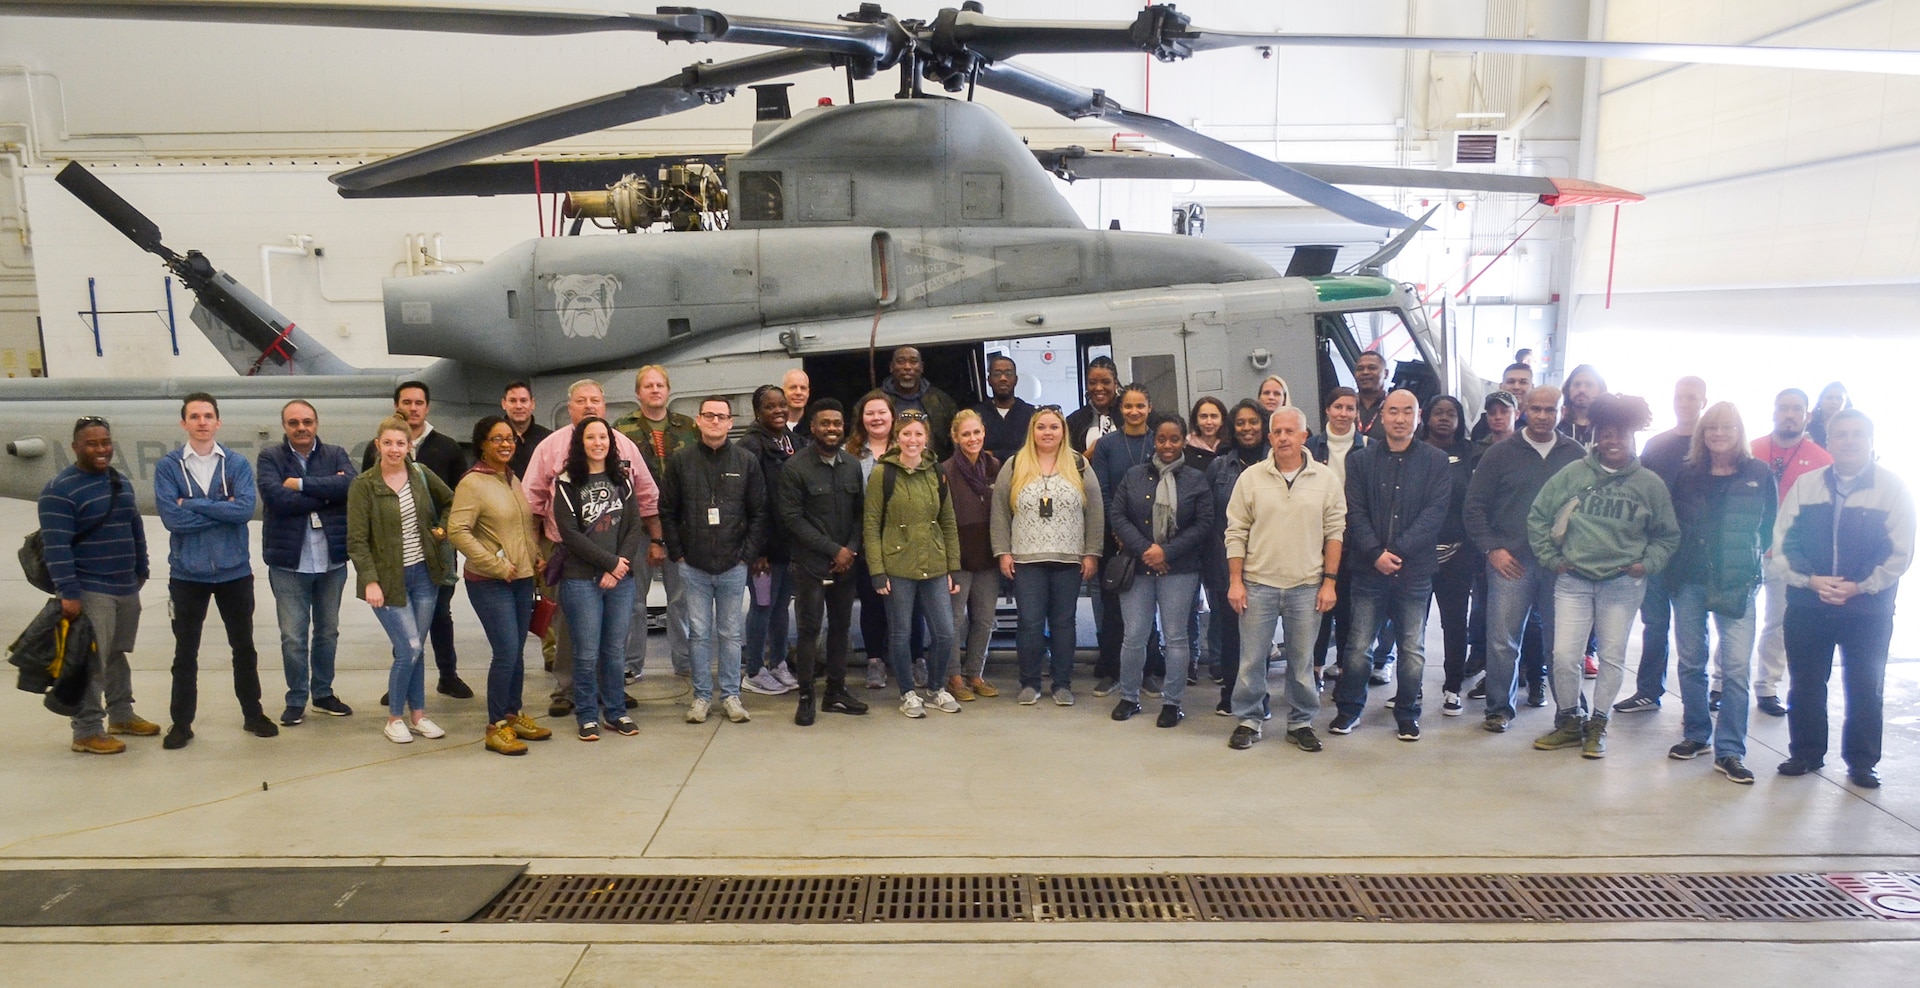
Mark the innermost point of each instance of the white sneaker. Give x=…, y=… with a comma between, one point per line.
x=945, y=701
x=765, y=683
x=785, y=675
x=697, y=711
x=427, y=729
x=736, y=711
x=912, y=707
x=396, y=731
x=1450, y=704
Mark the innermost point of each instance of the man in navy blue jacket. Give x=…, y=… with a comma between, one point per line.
x=96, y=552
x=303, y=535
x=1398, y=492
x=205, y=495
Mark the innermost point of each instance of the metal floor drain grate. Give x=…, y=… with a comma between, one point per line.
x=1181, y=898
x=1112, y=897
x=949, y=899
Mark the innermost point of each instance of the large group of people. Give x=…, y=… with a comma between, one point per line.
x=1215, y=545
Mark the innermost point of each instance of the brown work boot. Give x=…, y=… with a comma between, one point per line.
x=500, y=738
x=957, y=686
x=525, y=729
x=99, y=744
x=981, y=687
x=134, y=725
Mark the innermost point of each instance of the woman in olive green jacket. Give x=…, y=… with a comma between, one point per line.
x=396, y=524
x=912, y=545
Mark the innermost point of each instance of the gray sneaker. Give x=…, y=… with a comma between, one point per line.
x=1029, y=696
x=876, y=674
x=1062, y=697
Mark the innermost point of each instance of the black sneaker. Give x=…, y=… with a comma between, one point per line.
x=626, y=727
x=1638, y=703
x=1713, y=701
x=1243, y=737
x=842, y=702
x=1344, y=723
x=1479, y=690
x=261, y=727
x=1304, y=739
x=1223, y=709
x=331, y=706
x=177, y=737
x=590, y=731
x=383, y=698
x=1735, y=772
x=453, y=686
x=1771, y=706
x=803, y=714
x=1125, y=709
x=1536, y=694
x=1170, y=716
x=1105, y=686
x=1798, y=766
x=1409, y=730
x=292, y=716
x=1689, y=749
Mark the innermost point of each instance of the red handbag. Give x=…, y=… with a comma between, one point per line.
x=543, y=611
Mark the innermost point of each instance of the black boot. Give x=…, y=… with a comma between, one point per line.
x=840, y=701
x=803, y=714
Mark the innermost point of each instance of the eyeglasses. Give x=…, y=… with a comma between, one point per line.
x=717, y=416
x=508, y=439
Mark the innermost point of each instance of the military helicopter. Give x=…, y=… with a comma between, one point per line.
x=848, y=231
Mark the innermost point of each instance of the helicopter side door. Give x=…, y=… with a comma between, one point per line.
x=1156, y=357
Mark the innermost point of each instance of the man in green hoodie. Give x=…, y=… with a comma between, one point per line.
x=1603, y=524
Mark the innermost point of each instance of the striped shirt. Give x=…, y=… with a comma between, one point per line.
x=113, y=559
x=412, y=552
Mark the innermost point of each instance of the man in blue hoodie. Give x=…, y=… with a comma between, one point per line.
x=205, y=494
x=303, y=535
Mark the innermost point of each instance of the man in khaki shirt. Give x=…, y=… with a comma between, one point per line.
x=1285, y=521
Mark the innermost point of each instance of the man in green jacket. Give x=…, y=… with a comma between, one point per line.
x=659, y=433
x=1603, y=524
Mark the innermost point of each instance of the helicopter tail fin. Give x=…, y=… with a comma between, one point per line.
x=286, y=345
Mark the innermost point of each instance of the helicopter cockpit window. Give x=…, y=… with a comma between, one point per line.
x=761, y=197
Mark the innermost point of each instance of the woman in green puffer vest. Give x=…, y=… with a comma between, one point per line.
x=1725, y=501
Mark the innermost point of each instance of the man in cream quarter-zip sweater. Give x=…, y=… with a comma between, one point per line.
x=1285, y=523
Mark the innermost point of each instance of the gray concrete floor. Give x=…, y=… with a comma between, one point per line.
x=998, y=787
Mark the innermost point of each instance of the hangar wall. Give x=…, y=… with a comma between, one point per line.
x=1780, y=242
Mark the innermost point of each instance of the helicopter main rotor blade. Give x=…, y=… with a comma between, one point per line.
x=694, y=86
x=1073, y=102
x=1161, y=31
x=376, y=16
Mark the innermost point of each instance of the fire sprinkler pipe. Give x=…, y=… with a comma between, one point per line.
x=302, y=246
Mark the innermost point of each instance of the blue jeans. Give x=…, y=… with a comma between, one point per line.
x=1656, y=618
x=1046, y=595
x=714, y=602
x=1729, y=737
x=1508, y=604
x=505, y=609
x=598, y=620
x=1292, y=609
x=766, y=642
x=308, y=608
x=932, y=600
x=1604, y=608
x=1378, y=599
x=1171, y=596
x=406, y=628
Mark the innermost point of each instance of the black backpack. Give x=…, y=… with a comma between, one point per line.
x=33, y=549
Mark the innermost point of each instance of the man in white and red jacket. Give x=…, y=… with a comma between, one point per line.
x=1842, y=541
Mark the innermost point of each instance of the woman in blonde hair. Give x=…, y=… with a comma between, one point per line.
x=1047, y=527
x=396, y=522
x=1725, y=502
x=970, y=473
x=1274, y=392
x=869, y=436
